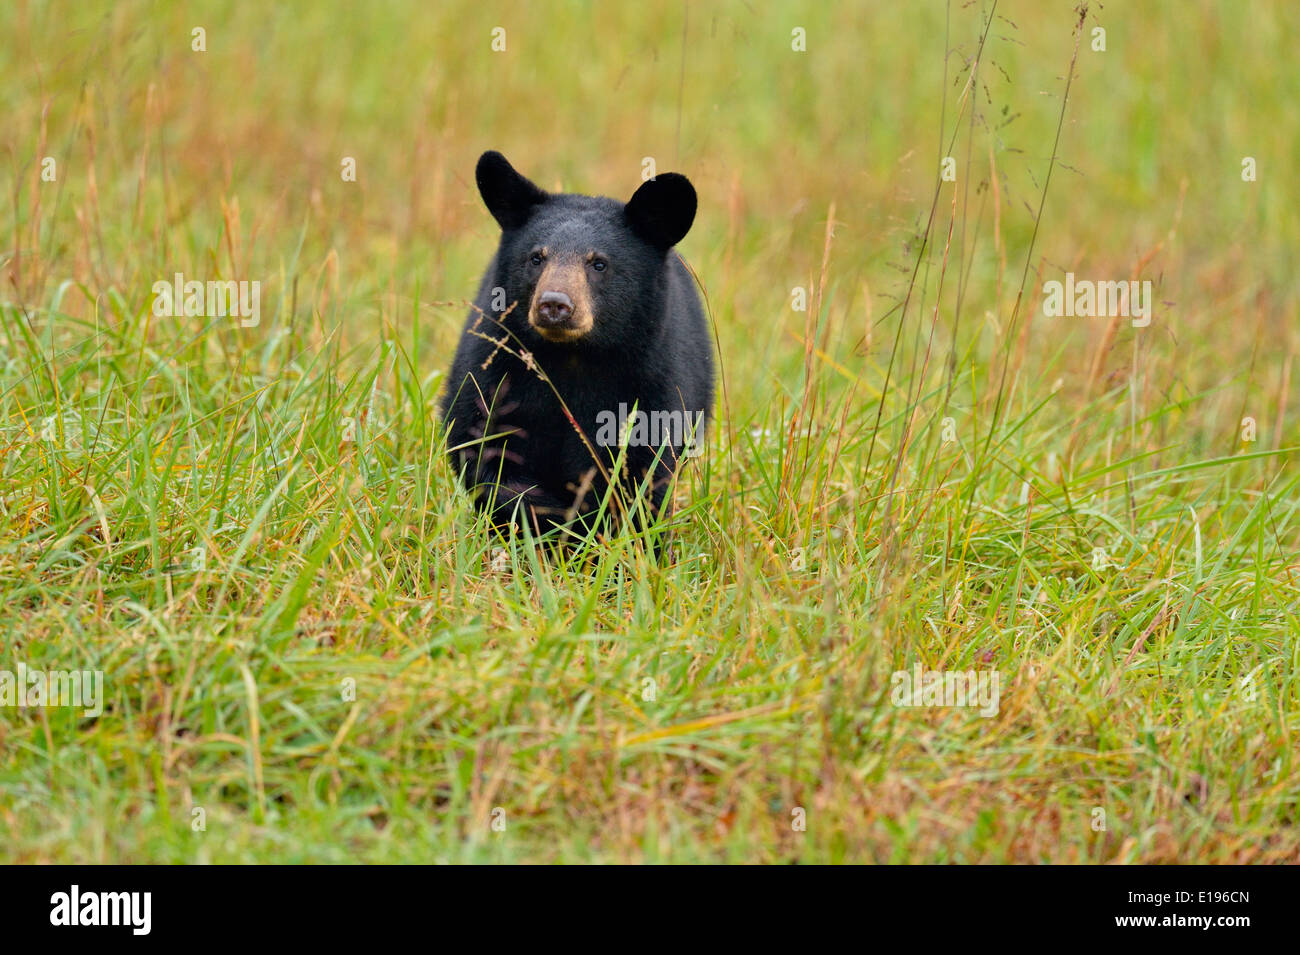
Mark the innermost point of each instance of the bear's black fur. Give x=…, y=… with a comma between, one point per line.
x=588, y=292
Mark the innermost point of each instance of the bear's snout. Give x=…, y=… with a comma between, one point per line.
x=554, y=308
x=561, y=307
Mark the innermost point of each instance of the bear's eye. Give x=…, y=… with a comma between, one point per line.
x=535, y=258
x=599, y=264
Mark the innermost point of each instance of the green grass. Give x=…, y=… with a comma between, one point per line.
x=306, y=633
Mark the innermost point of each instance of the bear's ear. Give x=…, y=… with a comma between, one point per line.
x=509, y=196
x=662, y=210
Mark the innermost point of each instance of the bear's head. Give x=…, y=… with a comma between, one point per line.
x=583, y=268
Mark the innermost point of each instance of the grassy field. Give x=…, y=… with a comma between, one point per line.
x=311, y=649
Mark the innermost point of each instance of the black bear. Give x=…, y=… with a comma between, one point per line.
x=586, y=348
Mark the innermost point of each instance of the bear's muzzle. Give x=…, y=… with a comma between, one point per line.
x=561, y=307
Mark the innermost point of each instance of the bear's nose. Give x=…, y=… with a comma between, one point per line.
x=554, y=308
